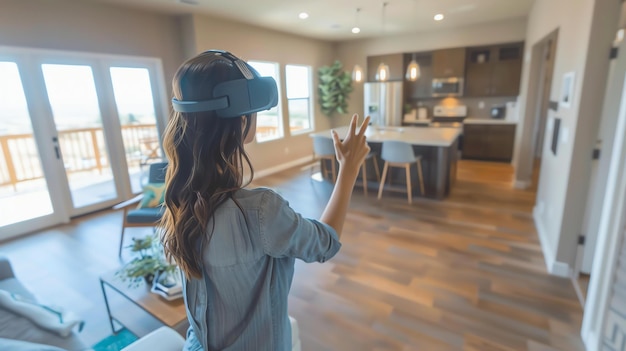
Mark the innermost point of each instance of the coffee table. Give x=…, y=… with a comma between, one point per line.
x=170, y=313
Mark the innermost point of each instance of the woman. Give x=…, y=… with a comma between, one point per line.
x=236, y=246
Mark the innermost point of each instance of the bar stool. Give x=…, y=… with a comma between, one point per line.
x=400, y=154
x=372, y=156
x=324, y=149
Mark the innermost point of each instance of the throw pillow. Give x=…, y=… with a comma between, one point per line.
x=153, y=195
x=50, y=318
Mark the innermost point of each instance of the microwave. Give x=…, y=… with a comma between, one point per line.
x=447, y=87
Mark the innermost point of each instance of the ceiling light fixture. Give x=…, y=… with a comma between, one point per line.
x=382, y=72
x=413, y=71
x=438, y=17
x=303, y=15
x=356, y=29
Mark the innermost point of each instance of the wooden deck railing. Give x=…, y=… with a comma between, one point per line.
x=83, y=150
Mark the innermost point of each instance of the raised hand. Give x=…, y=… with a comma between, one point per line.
x=352, y=150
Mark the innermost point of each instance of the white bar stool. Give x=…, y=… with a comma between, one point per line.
x=324, y=149
x=400, y=154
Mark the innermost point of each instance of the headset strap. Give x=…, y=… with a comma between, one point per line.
x=199, y=106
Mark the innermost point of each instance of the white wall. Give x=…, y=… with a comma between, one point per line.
x=584, y=40
x=355, y=52
x=91, y=27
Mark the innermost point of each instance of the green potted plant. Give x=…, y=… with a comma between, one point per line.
x=335, y=85
x=148, y=261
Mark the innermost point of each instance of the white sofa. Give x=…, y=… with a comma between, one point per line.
x=167, y=339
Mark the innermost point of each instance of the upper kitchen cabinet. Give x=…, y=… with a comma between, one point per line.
x=422, y=87
x=395, y=63
x=449, y=63
x=494, y=70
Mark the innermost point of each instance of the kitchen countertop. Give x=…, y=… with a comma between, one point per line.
x=423, y=136
x=488, y=121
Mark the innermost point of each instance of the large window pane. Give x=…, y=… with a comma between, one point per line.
x=299, y=98
x=135, y=107
x=269, y=123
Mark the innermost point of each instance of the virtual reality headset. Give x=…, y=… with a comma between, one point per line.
x=235, y=98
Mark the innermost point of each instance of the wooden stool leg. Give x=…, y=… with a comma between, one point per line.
x=332, y=162
x=119, y=252
x=382, y=181
x=421, y=176
x=409, y=189
x=364, y=177
x=376, y=168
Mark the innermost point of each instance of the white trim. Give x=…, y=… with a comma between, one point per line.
x=553, y=266
x=609, y=234
x=521, y=184
x=282, y=167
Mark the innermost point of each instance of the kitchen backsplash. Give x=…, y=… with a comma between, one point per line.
x=474, y=109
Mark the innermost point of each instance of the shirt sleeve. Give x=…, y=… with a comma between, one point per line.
x=286, y=233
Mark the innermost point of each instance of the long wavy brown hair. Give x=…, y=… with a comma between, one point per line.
x=206, y=159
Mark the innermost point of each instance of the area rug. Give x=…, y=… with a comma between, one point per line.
x=115, y=342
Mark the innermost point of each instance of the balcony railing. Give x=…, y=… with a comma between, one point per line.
x=83, y=150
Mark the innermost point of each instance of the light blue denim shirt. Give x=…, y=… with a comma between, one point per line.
x=241, y=301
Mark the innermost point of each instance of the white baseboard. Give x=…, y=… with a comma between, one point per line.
x=522, y=184
x=282, y=167
x=553, y=266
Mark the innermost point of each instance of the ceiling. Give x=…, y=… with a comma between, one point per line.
x=334, y=19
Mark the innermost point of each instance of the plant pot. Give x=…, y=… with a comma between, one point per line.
x=149, y=279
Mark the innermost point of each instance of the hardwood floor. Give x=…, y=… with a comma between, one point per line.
x=466, y=273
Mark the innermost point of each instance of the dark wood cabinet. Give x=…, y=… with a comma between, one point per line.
x=395, y=63
x=423, y=87
x=494, y=70
x=492, y=142
x=449, y=63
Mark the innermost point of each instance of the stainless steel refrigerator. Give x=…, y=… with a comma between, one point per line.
x=383, y=103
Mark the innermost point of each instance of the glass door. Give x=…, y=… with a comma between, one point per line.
x=77, y=132
x=133, y=93
x=81, y=138
x=24, y=194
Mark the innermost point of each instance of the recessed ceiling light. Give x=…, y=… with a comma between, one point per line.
x=438, y=17
x=303, y=15
x=356, y=30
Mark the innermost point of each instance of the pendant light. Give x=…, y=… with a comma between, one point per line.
x=382, y=72
x=357, y=71
x=357, y=74
x=413, y=70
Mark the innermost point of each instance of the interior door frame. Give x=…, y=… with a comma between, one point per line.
x=610, y=231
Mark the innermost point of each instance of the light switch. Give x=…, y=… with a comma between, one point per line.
x=481, y=105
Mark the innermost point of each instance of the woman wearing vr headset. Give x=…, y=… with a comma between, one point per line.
x=237, y=246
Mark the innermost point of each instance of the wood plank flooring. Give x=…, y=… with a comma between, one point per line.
x=466, y=273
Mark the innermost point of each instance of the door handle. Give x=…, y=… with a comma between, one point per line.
x=57, y=151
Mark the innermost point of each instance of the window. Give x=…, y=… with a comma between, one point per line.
x=299, y=98
x=269, y=124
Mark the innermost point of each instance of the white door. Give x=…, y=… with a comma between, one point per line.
x=95, y=121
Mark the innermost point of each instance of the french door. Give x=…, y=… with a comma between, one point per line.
x=77, y=132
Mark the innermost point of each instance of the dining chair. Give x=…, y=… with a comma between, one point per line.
x=400, y=154
x=324, y=149
x=145, y=209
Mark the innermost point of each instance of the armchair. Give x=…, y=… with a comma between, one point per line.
x=145, y=210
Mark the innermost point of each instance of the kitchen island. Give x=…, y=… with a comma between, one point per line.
x=437, y=146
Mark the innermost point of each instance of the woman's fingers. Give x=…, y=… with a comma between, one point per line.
x=364, y=125
x=355, y=118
